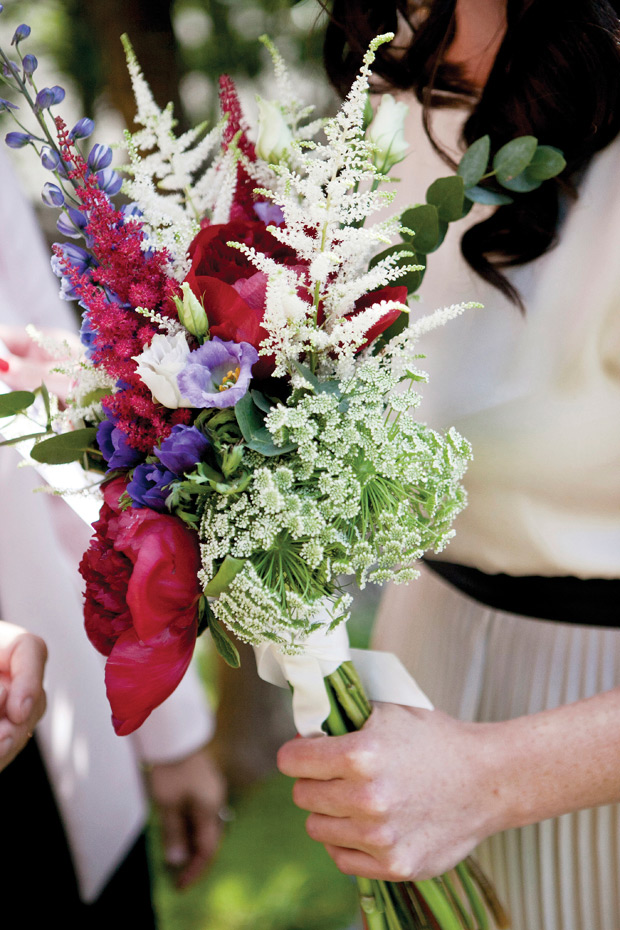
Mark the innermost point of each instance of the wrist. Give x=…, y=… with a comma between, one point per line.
x=504, y=777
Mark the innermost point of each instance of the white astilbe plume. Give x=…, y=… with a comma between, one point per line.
x=168, y=182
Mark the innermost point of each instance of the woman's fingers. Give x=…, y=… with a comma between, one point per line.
x=22, y=659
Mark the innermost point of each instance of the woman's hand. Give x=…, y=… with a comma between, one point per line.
x=404, y=798
x=22, y=698
x=189, y=794
x=25, y=365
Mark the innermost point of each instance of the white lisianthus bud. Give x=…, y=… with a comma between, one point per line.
x=159, y=365
x=274, y=135
x=387, y=133
x=191, y=312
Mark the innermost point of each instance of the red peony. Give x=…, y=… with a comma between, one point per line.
x=141, y=608
x=232, y=290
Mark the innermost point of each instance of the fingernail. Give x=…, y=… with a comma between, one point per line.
x=26, y=706
x=6, y=745
x=176, y=856
x=4, y=365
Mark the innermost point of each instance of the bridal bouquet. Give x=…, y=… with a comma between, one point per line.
x=247, y=391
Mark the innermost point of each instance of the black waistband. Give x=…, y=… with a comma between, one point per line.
x=589, y=601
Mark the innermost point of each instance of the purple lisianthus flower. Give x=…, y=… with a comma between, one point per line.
x=218, y=373
x=184, y=447
x=270, y=213
x=149, y=486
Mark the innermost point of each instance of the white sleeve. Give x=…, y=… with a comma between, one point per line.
x=179, y=726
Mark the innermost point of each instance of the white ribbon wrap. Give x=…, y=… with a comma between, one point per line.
x=383, y=675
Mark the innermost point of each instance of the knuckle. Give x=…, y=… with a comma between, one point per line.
x=381, y=837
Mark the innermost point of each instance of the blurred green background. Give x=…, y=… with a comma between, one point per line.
x=268, y=874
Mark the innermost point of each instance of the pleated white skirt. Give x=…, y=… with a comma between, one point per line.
x=477, y=663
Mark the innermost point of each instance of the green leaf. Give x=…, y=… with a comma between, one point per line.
x=423, y=220
x=522, y=184
x=204, y=610
x=14, y=402
x=447, y=195
x=67, y=447
x=547, y=163
x=224, y=644
x=514, y=157
x=474, y=162
x=486, y=196
x=308, y=375
x=410, y=279
x=227, y=571
x=263, y=403
x=257, y=437
x=395, y=329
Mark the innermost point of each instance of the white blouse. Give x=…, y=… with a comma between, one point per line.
x=537, y=395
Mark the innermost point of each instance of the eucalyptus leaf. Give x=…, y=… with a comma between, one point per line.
x=473, y=164
x=486, y=196
x=308, y=375
x=263, y=403
x=514, y=157
x=251, y=422
x=225, y=574
x=447, y=195
x=423, y=220
x=67, y=447
x=224, y=644
x=547, y=163
x=15, y=402
x=522, y=184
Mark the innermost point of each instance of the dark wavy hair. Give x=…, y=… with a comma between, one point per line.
x=556, y=76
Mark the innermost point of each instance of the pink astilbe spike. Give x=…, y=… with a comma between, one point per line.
x=243, y=205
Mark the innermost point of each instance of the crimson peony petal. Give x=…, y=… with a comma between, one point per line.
x=163, y=589
x=140, y=675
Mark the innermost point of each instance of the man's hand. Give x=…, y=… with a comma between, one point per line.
x=189, y=796
x=22, y=698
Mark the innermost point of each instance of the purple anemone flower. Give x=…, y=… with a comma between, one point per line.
x=218, y=373
x=184, y=447
x=149, y=486
x=114, y=447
